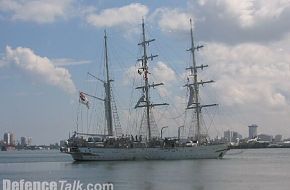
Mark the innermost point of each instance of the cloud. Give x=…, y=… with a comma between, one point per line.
x=45, y=11
x=252, y=85
x=242, y=11
x=163, y=73
x=229, y=21
x=250, y=75
x=125, y=16
x=172, y=19
x=41, y=68
x=249, y=13
x=68, y=62
x=160, y=73
x=130, y=75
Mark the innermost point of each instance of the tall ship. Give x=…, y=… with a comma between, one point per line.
x=113, y=145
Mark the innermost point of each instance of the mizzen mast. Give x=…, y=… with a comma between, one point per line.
x=107, y=85
x=111, y=113
x=193, y=102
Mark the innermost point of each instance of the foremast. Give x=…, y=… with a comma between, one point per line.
x=144, y=101
x=193, y=86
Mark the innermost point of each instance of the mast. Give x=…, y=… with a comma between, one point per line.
x=145, y=99
x=194, y=86
x=111, y=113
x=107, y=85
x=146, y=80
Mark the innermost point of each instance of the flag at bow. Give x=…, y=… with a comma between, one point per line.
x=83, y=99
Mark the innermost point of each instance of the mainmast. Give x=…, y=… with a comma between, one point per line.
x=107, y=85
x=193, y=102
x=144, y=101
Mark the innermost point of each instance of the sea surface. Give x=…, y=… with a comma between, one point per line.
x=252, y=169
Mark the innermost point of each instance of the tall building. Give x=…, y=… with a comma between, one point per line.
x=253, y=131
x=23, y=141
x=7, y=139
x=236, y=136
x=29, y=141
x=232, y=136
x=227, y=135
x=12, y=139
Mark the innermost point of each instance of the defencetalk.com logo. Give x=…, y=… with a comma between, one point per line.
x=54, y=185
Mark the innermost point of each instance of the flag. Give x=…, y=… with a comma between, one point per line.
x=83, y=99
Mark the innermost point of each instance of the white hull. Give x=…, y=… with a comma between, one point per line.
x=176, y=153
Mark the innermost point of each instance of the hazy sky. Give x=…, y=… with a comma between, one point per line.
x=48, y=46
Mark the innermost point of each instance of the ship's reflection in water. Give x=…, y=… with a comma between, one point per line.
x=265, y=169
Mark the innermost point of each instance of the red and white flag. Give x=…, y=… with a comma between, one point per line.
x=83, y=99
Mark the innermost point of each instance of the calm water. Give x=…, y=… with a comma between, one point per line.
x=264, y=169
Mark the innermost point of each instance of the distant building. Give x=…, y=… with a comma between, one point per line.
x=6, y=138
x=253, y=131
x=12, y=139
x=287, y=139
x=278, y=138
x=62, y=143
x=23, y=141
x=264, y=137
x=236, y=136
x=232, y=136
x=227, y=135
x=29, y=141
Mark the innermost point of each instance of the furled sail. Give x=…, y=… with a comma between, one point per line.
x=107, y=105
x=190, y=99
x=142, y=99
